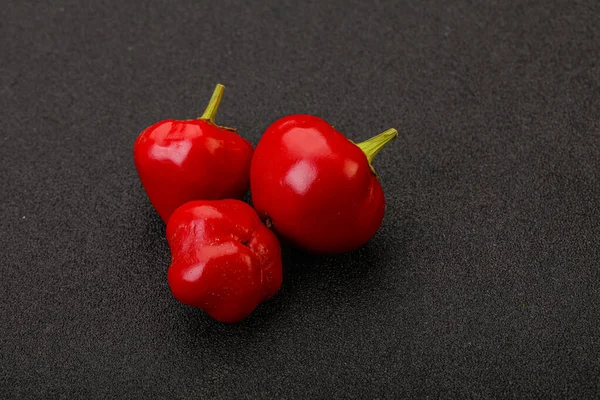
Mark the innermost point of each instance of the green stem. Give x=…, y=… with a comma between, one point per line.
x=372, y=146
x=213, y=104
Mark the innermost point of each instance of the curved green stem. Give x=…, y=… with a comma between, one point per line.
x=213, y=105
x=372, y=146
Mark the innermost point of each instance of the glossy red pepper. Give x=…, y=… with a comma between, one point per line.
x=224, y=260
x=318, y=188
x=183, y=160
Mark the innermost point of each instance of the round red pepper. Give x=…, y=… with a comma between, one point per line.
x=318, y=188
x=183, y=160
x=224, y=260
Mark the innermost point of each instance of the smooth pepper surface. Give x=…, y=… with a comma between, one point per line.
x=184, y=160
x=318, y=188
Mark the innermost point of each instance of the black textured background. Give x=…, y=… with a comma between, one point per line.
x=482, y=282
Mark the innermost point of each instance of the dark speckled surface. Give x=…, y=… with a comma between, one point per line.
x=483, y=281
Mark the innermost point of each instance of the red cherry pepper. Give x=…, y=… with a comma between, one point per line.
x=318, y=188
x=183, y=160
x=224, y=260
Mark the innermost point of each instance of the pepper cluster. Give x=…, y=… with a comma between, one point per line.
x=309, y=184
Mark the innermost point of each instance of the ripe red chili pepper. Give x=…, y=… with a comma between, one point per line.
x=183, y=160
x=318, y=188
x=224, y=260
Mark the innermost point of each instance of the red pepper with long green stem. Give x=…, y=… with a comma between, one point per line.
x=183, y=160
